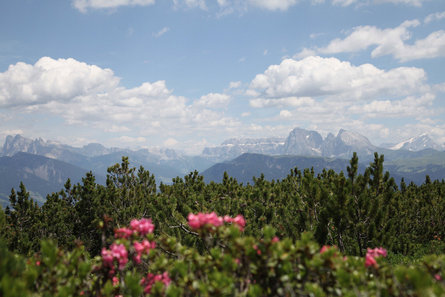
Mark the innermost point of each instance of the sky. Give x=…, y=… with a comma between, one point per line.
x=189, y=74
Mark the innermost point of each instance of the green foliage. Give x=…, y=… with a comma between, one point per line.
x=353, y=212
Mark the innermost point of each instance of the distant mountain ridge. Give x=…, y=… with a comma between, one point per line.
x=417, y=143
x=413, y=158
x=299, y=142
x=41, y=175
x=250, y=165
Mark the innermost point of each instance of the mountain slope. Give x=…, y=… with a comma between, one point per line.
x=40, y=175
x=417, y=143
x=165, y=164
x=232, y=148
x=249, y=165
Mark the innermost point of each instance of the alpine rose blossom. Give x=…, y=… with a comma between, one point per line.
x=123, y=233
x=370, y=261
x=240, y=221
x=107, y=257
x=202, y=219
x=212, y=219
x=371, y=254
x=142, y=226
x=142, y=247
x=151, y=279
x=118, y=252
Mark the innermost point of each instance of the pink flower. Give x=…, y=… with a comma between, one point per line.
x=151, y=278
x=137, y=258
x=371, y=254
x=194, y=221
x=370, y=261
x=143, y=247
x=107, y=257
x=240, y=221
x=115, y=281
x=123, y=233
x=275, y=239
x=143, y=226
x=377, y=252
x=437, y=277
x=120, y=253
x=138, y=247
x=213, y=219
x=227, y=219
x=324, y=249
x=202, y=219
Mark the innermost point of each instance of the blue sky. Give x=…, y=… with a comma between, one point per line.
x=186, y=74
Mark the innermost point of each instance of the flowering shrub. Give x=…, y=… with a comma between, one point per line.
x=372, y=254
x=139, y=264
x=212, y=220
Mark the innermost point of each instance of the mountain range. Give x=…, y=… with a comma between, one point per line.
x=44, y=166
x=303, y=142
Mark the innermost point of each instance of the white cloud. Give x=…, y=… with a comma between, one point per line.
x=305, y=53
x=317, y=76
x=213, y=100
x=416, y=3
x=390, y=41
x=191, y=4
x=117, y=129
x=285, y=113
x=170, y=142
x=434, y=17
x=331, y=94
x=84, y=5
x=234, y=84
x=161, y=32
x=128, y=141
x=281, y=102
x=410, y=106
x=343, y=2
x=49, y=79
x=88, y=96
x=273, y=4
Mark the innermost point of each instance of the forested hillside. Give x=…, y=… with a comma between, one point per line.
x=351, y=211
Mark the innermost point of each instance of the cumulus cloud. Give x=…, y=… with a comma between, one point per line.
x=49, y=79
x=410, y=106
x=434, y=17
x=416, y=3
x=89, y=96
x=273, y=4
x=390, y=41
x=214, y=100
x=343, y=2
x=281, y=102
x=161, y=32
x=234, y=84
x=331, y=94
x=191, y=4
x=316, y=76
x=84, y=5
x=285, y=113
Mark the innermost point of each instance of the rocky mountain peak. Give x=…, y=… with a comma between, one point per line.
x=303, y=142
x=353, y=138
x=417, y=143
